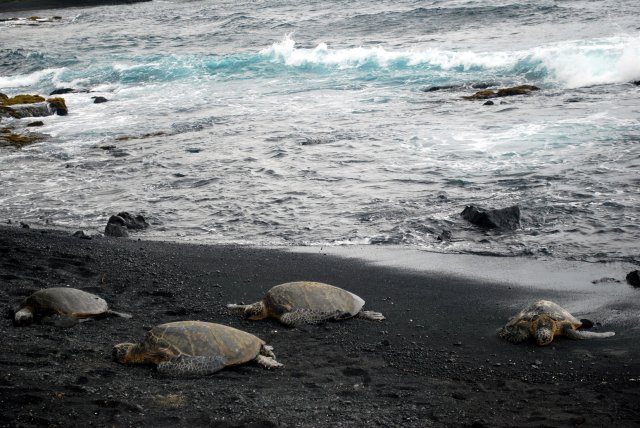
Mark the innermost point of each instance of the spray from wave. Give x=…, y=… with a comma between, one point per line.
x=568, y=64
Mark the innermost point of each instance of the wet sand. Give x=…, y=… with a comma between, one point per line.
x=435, y=361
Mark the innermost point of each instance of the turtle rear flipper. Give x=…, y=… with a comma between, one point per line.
x=581, y=334
x=119, y=314
x=370, y=315
x=188, y=366
x=268, y=362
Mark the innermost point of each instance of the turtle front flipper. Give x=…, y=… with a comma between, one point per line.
x=581, y=334
x=370, y=315
x=513, y=334
x=189, y=366
x=60, y=321
x=309, y=316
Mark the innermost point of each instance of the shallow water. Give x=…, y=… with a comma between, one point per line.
x=303, y=123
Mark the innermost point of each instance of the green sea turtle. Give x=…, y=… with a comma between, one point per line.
x=195, y=348
x=63, y=306
x=309, y=302
x=544, y=320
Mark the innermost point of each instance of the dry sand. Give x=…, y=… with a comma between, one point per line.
x=435, y=361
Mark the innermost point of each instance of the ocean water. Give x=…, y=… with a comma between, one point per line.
x=310, y=123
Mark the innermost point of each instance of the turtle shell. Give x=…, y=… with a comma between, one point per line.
x=65, y=301
x=545, y=307
x=199, y=338
x=314, y=296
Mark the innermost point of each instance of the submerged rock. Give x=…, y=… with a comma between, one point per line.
x=62, y=91
x=633, y=278
x=8, y=137
x=501, y=218
x=99, y=100
x=440, y=88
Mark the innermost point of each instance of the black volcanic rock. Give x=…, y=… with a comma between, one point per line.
x=633, y=278
x=62, y=91
x=131, y=222
x=119, y=225
x=116, y=227
x=501, y=218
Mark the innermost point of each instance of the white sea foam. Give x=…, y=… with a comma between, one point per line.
x=30, y=79
x=569, y=64
x=592, y=62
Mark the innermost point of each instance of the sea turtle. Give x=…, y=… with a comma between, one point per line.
x=62, y=306
x=302, y=302
x=544, y=320
x=195, y=348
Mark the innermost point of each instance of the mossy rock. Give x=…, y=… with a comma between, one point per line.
x=504, y=92
x=8, y=137
x=59, y=105
x=517, y=90
x=21, y=99
x=481, y=95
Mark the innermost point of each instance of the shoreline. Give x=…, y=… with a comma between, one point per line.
x=20, y=5
x=435, y=361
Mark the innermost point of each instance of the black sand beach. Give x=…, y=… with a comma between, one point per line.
x=435, y=361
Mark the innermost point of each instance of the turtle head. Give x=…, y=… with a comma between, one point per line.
x=543, y=329
x=257, y=311
x=23, y=316
x=122, y=353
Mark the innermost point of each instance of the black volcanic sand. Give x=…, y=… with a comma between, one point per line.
x=435, y=361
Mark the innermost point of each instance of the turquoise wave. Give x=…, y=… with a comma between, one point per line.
x=568, y=64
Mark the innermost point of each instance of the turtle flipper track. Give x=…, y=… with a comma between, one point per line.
x=370, y=315
x=581, y=334
x=237, y=307
x=119, y=314
x=187, y=366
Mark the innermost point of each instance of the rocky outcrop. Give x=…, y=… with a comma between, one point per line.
x=22, y=106
x=504, y=92
x=120, y=224
x=501, y=218
x=99, y=100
